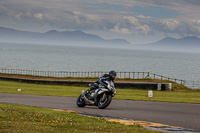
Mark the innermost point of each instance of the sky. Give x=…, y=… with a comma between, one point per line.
x=137, y=21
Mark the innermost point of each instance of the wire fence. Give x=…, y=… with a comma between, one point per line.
x=192, y=84
x=120, y=75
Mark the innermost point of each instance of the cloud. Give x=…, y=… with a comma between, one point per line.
x=38, y=15
x=170, y=24
x=176, y=26
x=144, y=29
x=117, y=29
x=132, y=20
x=196, y=25
x=142, y=16
x=113, y=16
x=156, y=11
x=131, y=25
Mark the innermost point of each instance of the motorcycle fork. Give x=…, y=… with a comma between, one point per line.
x=104, y=95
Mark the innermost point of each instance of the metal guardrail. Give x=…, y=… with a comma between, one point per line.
x=141, y=85
x=121, y=75
x=192, y=84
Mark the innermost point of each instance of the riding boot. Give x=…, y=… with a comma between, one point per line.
x=88, y=90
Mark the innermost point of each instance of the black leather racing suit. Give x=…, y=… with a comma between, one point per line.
x=107, y=82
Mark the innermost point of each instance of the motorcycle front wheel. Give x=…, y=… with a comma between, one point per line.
x=104, y=101
x=80, y=102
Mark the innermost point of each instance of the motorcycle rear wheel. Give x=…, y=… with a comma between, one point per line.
x=80, y=102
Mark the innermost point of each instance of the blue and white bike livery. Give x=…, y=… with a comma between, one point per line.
x=101, y=97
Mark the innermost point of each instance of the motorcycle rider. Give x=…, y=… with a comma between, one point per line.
x=105, y=81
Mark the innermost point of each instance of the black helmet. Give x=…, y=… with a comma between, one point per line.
x=112, y=74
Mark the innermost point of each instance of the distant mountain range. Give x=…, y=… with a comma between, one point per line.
x=189, y=44
x=56, y=37
x=185, y=41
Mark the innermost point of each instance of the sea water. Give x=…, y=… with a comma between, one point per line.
x=75, y=58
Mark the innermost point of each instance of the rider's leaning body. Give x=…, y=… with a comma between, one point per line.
x=107, y=80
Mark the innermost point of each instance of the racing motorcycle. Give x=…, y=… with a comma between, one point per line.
x=101, y=96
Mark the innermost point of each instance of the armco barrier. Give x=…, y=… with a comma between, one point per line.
x=145, y=86
x=120, y=75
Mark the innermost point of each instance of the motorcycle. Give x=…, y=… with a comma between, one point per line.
x=101, y=96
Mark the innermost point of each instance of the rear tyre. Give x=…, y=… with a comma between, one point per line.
x=103, y=103
x=80, y=102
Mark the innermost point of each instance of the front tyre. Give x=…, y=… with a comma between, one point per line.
x=80, y=102
x=104, y=102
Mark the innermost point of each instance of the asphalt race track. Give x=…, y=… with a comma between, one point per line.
x=173, y=114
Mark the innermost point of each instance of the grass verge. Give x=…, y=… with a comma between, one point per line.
x=19, y=118
x=179, y=95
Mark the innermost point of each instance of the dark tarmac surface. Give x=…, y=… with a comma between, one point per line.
x=173, y=114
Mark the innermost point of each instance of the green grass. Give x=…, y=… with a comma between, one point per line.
x=18, y=118
x=38, y=89
x=178, y=95
x=160, y=96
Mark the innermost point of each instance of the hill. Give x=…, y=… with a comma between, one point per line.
x=185, y=44
x=57, y=37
